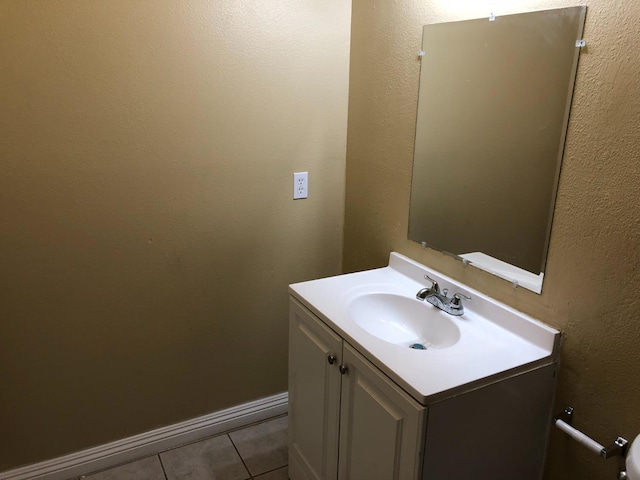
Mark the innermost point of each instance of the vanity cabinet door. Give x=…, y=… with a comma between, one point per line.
x=381, y=427
x=315, y=353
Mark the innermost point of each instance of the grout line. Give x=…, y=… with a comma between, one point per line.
x=163, y=469
x=273, y=470
x=241, y=459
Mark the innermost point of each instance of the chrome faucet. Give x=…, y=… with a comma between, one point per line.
x=438, y=298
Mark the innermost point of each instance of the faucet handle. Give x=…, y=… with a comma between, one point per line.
x=435, y=285
x=457, y=299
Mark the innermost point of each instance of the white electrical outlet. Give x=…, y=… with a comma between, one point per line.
x=300, y=185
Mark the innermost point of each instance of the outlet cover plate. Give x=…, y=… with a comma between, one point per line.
x=300, y=185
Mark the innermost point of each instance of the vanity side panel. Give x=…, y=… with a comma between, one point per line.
x=498, y=432
x=314, y=396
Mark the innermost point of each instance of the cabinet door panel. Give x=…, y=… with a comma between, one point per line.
x=381, y=427
x=314, y=396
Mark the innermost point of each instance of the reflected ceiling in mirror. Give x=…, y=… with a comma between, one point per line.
x=493, y=109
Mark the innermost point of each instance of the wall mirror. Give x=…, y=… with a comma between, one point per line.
x=493, y=109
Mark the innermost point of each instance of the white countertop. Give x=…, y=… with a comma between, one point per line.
x=496, y=340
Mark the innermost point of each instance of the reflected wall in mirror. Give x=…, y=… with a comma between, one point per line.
x=493, y=110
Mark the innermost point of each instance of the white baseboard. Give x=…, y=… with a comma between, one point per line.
x=152, y=442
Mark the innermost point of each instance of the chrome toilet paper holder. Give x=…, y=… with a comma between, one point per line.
x=617, y=448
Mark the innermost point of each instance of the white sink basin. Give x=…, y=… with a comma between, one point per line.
x=404, y=321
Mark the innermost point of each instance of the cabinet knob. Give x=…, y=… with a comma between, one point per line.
x=343, y=369
x=331, y=359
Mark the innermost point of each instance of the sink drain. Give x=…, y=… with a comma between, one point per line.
x=418, y=346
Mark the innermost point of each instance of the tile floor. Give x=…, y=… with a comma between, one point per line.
x=257, y=452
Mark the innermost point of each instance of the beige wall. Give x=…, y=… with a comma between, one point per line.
x=592, y=280
x=147, y=230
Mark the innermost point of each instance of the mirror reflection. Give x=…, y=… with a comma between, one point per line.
x=493, y=109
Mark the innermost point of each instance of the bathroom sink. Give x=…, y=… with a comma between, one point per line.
x=404, y=321
x=377, y=313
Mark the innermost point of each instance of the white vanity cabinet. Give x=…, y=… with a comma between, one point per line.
x=347, y=419
x=350, y=421
x=363, y=405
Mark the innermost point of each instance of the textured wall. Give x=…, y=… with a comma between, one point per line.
x=592, y=282
x=147, y=230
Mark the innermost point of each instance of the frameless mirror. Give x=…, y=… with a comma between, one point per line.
x=493, y=109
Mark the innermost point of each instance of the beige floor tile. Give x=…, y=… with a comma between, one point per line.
x=211, y=459
x=145, y=469
x=263, y=447
x=279, y=474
